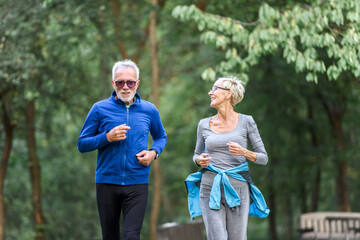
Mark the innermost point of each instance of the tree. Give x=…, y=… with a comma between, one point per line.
x=155, y=83
x=21, y=73
x=9, y=129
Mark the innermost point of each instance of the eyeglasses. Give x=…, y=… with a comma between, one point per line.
x=121, y=83
x=217, y=87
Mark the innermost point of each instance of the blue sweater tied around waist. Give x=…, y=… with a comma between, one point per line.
x=258, y=207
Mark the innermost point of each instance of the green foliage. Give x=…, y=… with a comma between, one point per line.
x=303, y=32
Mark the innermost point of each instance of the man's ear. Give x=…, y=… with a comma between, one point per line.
x=137, y=84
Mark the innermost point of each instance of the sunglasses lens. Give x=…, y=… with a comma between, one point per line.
x=119, y=84
x=130, y=84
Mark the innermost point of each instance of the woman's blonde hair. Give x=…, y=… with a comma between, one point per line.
x=236, y=87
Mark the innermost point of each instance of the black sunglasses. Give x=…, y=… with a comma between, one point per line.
x=121, y=83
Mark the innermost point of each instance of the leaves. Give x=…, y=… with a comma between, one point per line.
x=302, y=33
x=209, y=74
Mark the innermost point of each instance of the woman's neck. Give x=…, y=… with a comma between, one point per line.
x=226, y=113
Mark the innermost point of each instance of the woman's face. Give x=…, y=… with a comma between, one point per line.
x=218, y=95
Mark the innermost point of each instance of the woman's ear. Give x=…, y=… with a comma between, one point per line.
x=229, y=95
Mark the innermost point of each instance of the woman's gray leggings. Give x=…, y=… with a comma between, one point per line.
x=225, y=223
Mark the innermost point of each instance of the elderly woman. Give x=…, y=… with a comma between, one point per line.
x=221, y=151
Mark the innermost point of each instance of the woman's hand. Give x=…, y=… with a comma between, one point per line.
x=203, y=160
x=238, y=150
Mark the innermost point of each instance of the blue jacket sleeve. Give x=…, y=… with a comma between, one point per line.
x=90, y=138
x=157, y=132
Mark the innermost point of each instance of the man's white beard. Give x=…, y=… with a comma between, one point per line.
x=125, y=100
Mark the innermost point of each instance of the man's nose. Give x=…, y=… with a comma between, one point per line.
x=125, y=86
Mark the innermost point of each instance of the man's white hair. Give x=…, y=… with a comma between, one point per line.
x=124, y=64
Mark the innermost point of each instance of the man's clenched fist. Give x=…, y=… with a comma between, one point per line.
x=118, y=133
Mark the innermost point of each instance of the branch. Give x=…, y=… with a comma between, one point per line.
x=142, y=42
x=323, y=101
x=316, y=5
x=232, y=20
x=6, y=12
x=116, y=23
x=250, y=23
x=4, y=91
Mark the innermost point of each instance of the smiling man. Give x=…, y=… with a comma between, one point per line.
x=118, y=127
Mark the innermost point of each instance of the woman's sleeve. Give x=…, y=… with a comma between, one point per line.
x=257, y=143
x=200, y=143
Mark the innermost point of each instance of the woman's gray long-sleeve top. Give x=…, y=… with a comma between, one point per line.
x=215, y=143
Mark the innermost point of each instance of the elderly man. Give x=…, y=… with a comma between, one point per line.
x=118, y=127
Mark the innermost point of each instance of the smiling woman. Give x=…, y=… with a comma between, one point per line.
x=221, y=150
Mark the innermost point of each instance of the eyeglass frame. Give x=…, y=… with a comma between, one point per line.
x=217, y=87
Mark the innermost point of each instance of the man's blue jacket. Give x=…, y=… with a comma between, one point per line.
x=258, y=207
x=116, y=161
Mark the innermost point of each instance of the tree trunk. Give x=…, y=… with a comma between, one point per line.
x=335, y=114
x=272, y=206
x=341, y=184
x=35, y=173
x=289, y=218
x=316, y=190
x=8, y=128
x=103, y=57
x=314, y=140
x=303, y=194
x=155, y=82
x=118, y=33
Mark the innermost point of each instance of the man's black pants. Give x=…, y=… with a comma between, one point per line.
x=131, y=200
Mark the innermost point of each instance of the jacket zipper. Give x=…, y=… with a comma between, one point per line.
x=126, y=141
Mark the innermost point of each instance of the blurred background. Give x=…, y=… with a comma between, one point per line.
x=300, y=63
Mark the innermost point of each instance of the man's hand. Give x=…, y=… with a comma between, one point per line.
x=118, y=133
x=145, y=157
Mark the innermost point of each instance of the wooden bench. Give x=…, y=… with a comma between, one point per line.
x=330, y=225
